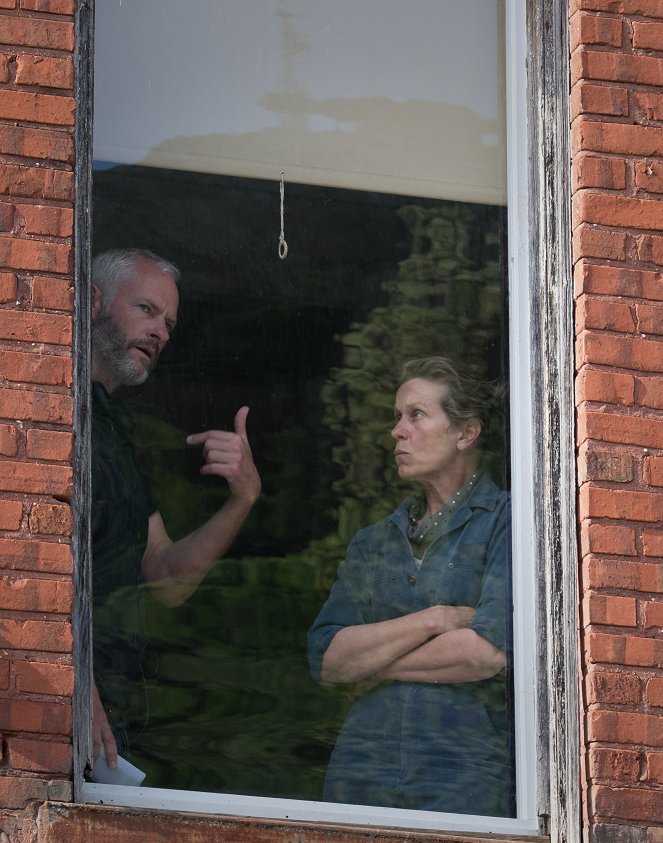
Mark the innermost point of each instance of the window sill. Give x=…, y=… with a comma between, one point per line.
x=314, y=821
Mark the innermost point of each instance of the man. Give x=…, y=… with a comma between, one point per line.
x=134, y=310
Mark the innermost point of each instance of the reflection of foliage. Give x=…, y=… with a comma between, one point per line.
x=233, y=681
x=443, y=299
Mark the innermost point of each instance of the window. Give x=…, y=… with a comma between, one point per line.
x=386, y=253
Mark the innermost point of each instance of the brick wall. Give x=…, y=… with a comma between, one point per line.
x=36, y=227
x=617, y=137
x=617, y=132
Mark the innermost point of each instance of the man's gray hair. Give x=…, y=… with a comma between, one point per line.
x=111, y=268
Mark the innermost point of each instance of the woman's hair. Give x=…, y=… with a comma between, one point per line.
x=111, y=268
x=465, y=396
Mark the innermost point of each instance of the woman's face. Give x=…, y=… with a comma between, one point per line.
x=426, y=440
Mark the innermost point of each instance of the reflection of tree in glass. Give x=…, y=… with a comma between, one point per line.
x=445, y=298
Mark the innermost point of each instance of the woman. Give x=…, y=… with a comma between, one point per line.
x=420, y=615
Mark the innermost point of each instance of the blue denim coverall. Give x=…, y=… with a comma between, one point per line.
x=427, y=746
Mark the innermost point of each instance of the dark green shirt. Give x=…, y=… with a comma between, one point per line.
x=121, y=507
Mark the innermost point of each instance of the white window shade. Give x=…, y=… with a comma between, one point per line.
x=382, y=95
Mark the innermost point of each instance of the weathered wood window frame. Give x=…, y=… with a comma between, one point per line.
x=541, y=156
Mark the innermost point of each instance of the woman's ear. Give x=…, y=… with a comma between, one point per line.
x=97, y=302
x=471, y=431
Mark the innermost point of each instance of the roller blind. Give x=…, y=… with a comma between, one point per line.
x=387, y=95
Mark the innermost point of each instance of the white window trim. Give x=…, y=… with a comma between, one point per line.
x=524, y=25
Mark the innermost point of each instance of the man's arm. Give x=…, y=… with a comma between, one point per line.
x=101, y=731
x=362, y=651
x=175, y=569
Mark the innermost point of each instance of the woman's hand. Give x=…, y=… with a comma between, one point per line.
x=446, y=618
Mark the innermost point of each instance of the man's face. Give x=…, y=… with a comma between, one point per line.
x=128, y=336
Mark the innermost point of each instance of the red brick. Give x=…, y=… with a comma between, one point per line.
x=37, y=717
x=30, y=107
x=7, y=287
x=618, y=281
x=610, y=610
x=654, y=691
x=648, y=392
x=592, y=242
x=36, y=254
x=649, y=248
x=8, y=440
x=625, y=727
x=37, y=635
x=36, y=183
x=623, y=574
x=39, y=756
x=652, y=542
x=589, y=98
x=32, y=555
x=653, y=470
x=33, y=367
x=647, y=105
x=616, y=67
x=32, y=405
x=45, y=71
x=595, y=29
x=4, y=66
x=612, y=687
x=17, y=791
x=646, y=8
x=11, y=514
x=38, y=32
x=29, y=594
x=655, y=767
x=38, y=677
x=599, y=502
x=619, y=765
x=622, y=428
x=51, y=519
x=652, y=613
x=624, y=352
x=610, y=539
x=647, y=36
x=624, y=138
x=592, y=171
x=604, y=314
x=649, y=176
x=605, y=387
x=50, y=445
x=4, y=674
x=618, y=211
x=52, y=293
x=594, y=464
x=55, y=7
x=649, y=318
x=627, y=803
x=45, y=219
x=42, y=144
x=7, y=215
x=26, y=326
x=628, y=650
x=37, y=479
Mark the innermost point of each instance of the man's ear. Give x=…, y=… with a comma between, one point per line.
x=97, y=302
x=471, y=431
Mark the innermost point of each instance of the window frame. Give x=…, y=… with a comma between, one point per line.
x=541, y=333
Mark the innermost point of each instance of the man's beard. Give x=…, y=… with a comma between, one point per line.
x=110, y=348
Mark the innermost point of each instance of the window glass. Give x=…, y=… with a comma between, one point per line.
x=371, y=140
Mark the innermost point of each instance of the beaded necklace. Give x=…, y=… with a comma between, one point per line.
x=421, y=530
